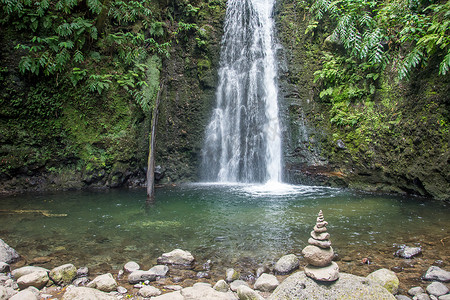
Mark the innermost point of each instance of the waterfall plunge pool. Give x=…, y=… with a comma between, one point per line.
x=240, y=226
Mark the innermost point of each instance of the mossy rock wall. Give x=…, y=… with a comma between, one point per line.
x=402, y=143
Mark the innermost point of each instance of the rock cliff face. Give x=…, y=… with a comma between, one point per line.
x=401, y=144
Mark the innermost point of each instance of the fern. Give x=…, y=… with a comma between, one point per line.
x=444, y=66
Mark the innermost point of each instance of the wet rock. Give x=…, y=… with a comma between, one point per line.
x=300, y=287
x=202, y=291
x=63, y=275
x=104, y=283
x=77, y=293
x=160, y=270
x=83, y=272
x=436, y=273
x=131, y=266
x=149, y=291
x=386, y=278
x=437, y=289
x=141, y=276
x=7, y=254
x=221, y=286
x=237, y=283
x=170, y=296
x=37, y=279
x=286, y=264
x=17, y=273
x=177, y=257
x=246, y=293
x=416, y=290
x=266, y=283
x=408, y=252
x=27, y=294
x=328, y=273
x=231, y=275
x=4, y=267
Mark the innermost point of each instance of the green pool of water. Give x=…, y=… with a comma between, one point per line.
x=225, y=223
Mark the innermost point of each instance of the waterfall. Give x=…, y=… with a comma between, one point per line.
x=243, y=137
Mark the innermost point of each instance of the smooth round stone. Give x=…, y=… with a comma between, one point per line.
x=319, y=230
x=318, y=257
x=437, y=289
x=328, y=273
x=286, y=264
x=320, y=236
x=321, y=224
x=321, y=244
x=131, y=266
x=416, y=290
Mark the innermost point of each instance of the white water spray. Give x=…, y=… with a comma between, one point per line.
x=243, y=138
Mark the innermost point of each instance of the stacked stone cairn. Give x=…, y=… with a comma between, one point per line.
x=319, y=253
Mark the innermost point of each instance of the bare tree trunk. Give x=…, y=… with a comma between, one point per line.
x=151, y=152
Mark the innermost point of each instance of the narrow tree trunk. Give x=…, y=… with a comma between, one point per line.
x=100, y=24
x=151, y=152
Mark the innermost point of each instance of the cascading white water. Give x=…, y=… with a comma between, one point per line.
x=243, y=138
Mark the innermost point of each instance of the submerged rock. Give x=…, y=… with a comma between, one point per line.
x=408, y=252
x=7, y=254
x=300, y=287
x=386, y=278
x=177, y=257
x=286, y=264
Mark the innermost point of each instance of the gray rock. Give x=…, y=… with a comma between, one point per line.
x=7, y=254
x=63, y=275
x=408, y=252
x=173, y=287
x=121, y=290
x=433, y=297
x=104, y=283
x=149, y=291
x=321, y=244
x=77, y=293
x=286, y=264
x=328, y=273
x=231, y=275
x=221, y=286
x=83, y=272
x=177, y=257
x=386, y=278
x=266, y=283
x=140, y=276
x=421, y=297
x=300, y=287
x=82, y=281
x=27, y=294
x=4, y=267
x=318, y=257
x=160, y=270
x=402, y=297
x=37, y=279
x=437, y=289
x=3, y=293
x=169, y=296
x=246, y=293
x=201, y=292
x=416, y=290
x=444, y=297
x=237, y=283
x=436, y=273
x=131, y=266
x=17, y=273
x=261, y=270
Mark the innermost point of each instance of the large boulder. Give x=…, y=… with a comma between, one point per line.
x=17, y=273
x=7, y=254
x=37, y=279
x=85, y=293
x=386, y=278
x=63, y=275
x=203, y=291
x=299, y=286
x=139, y=276
x=286, y=264
x=436, y=273
x=105, y=283
x=266, y=283
x=177, y=257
